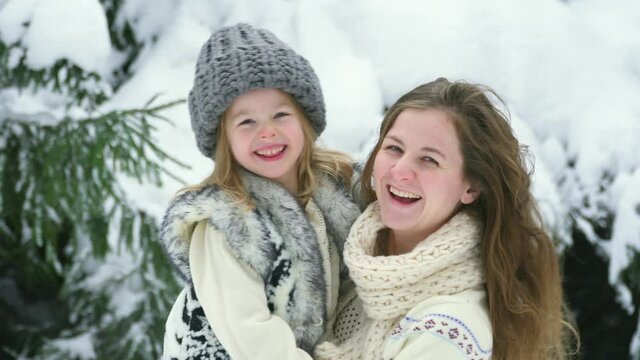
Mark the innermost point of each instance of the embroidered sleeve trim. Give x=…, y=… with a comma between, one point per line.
x=446, y=327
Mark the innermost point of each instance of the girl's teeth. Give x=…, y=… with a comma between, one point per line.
x=270, y=152
x=404, y=194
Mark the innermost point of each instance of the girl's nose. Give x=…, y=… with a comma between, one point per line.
x=267, y=131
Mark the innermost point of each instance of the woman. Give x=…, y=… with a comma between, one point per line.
x=449, y=259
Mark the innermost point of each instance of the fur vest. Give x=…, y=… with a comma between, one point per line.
x=275, y=239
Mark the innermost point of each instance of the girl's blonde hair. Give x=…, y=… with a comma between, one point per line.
x=313, y=162
x=522, y=271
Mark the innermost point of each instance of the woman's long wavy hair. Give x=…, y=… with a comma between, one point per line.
x=522, y=272
x=313, y=161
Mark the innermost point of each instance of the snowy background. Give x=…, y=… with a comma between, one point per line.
x=569, y=72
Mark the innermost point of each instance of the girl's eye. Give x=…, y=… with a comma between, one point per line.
x=246, y=122
x=281, y=114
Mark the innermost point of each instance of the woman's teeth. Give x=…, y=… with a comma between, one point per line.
x=271, y=151
x=404, y=194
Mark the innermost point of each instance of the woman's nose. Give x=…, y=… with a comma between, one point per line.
x=402, y=169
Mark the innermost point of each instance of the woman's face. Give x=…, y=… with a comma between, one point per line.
x=418, y=174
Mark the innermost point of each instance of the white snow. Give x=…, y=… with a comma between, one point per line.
x=72, y=29
x=567, y=70
x=14, y=15
x=565, y=74
x=79, y=347
x=147, y=20
x=626, y=229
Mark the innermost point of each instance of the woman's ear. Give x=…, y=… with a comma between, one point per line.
x=470, y=195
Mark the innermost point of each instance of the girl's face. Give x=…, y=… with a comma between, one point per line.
x=265, y=132
x=418, y=175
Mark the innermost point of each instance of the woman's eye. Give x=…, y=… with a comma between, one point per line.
x=430, y=160
x=393, y=148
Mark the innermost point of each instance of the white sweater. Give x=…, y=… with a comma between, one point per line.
x=233, y=296
x=427, y=304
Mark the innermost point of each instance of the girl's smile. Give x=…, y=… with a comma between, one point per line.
x=271, y=152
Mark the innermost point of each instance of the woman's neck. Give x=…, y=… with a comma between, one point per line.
x=402, y=243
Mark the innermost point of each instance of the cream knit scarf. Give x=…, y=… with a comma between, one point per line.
x=447, y=262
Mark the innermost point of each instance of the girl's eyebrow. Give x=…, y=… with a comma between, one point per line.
x=285, y=104
x=424, y=148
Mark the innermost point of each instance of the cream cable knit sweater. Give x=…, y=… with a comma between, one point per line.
x=389, y=287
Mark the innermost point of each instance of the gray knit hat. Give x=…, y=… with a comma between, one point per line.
x=237, y=59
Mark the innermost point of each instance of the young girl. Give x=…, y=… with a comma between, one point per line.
x=449, y=260
x=258, y=242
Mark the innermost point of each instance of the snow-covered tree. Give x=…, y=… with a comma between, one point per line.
x=82, y=144
x=81, y=270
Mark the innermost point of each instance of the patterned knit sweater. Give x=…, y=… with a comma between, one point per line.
x=429, y=303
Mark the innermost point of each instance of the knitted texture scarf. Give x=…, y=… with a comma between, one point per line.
x=445, y=263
